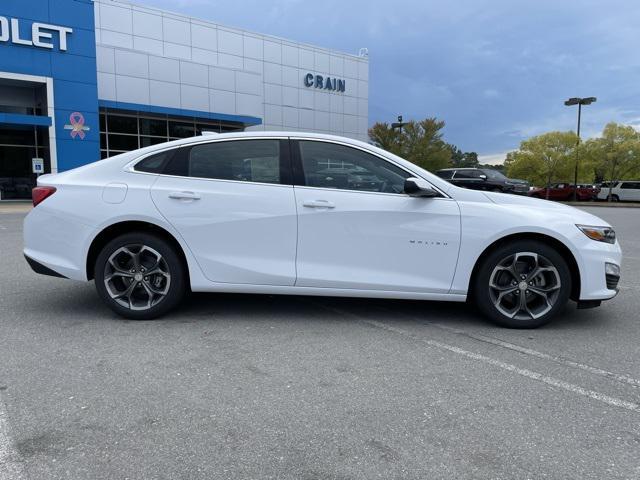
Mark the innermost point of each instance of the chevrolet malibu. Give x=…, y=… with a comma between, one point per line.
x=310, y=214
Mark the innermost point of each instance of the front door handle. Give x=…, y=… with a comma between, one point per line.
x=318, y=204
x=184, y=196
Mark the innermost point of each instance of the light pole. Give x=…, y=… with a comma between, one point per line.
x=578, y=101
x=399, y=124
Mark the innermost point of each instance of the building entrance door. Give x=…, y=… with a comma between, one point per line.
x=18, y=146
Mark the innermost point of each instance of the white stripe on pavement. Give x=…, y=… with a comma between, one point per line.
x=534, y=353
x=528, y=351
x=616, y=402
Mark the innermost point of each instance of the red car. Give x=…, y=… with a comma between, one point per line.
x=564, y=191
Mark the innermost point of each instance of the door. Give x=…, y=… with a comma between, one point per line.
x=233, y=204
x=358, y=230
x=630, y=191
x=558, y=191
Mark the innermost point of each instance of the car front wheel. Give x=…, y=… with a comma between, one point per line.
x=523, y=284
x=140, y=276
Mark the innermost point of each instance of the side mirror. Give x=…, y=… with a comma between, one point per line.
x=417, y=187
x=483, y=176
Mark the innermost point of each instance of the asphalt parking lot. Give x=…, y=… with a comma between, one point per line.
x=252, y=387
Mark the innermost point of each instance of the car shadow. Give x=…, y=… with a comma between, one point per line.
x=82, y=305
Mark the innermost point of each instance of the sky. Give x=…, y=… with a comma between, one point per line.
x=496, y=71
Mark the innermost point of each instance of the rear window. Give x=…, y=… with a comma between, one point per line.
x=154, y=163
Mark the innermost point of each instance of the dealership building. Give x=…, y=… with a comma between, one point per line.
x=83, y=80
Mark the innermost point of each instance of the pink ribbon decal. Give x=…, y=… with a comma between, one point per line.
x=76, y=125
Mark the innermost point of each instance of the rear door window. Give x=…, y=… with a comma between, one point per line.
x=261, y=161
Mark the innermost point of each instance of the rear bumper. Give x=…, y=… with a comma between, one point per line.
x=56, y=243
x=42, y=269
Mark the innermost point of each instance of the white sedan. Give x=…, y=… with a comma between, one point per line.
x=310, y=214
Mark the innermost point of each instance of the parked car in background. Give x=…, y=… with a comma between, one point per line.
x=483, y=179
x=621, y=191
x=564, y=191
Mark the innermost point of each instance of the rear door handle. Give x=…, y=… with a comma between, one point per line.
x=184, y=196
x=318, y=204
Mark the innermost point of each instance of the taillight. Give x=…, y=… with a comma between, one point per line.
x=38, y=194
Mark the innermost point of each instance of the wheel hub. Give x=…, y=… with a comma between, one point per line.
x=137, y=277
x=524, y=286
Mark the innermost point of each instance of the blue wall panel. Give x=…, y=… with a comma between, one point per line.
x=73, y=71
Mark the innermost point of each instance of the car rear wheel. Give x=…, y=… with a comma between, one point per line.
x=140, y=276
x=523, y=284
x=613, y=198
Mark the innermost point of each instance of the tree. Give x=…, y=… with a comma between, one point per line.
x=544, y=158
x=420, y=142
x=460, y=159
x=457, y=156
x=616, y=155
x=385, y=137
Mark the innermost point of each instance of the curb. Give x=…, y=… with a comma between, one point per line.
x=15, y=207
x=604, y=204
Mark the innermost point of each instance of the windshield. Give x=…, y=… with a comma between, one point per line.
x=494, y=174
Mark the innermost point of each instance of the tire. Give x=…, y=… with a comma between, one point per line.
x=499, y=299
x=116, y=272
x=497, y=190
x=613, y=198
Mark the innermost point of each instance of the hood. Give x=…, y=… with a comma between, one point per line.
x=532, y=205
x=518, y=180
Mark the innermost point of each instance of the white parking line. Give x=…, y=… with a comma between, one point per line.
x=10, y=469
x=570, y=387
x=534, y=353
x=601, y=397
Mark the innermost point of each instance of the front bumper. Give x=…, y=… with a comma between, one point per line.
x=595, y=283
x=519, y=189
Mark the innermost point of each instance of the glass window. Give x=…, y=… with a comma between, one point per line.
x=153, y=127
x=123, y=142
x=17, y=135
x=148, y=141
x=630, y=185
x=468, y=173
x=494, y=174
x=181, y=130
x=330, y=165
x=242, y=160
x=446, y=174
x=120, y=124
x=154, y=163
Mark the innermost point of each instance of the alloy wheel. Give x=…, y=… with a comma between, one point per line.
x=524, y=286
x=137, y=277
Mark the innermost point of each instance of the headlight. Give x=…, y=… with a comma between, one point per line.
x=599, y=234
